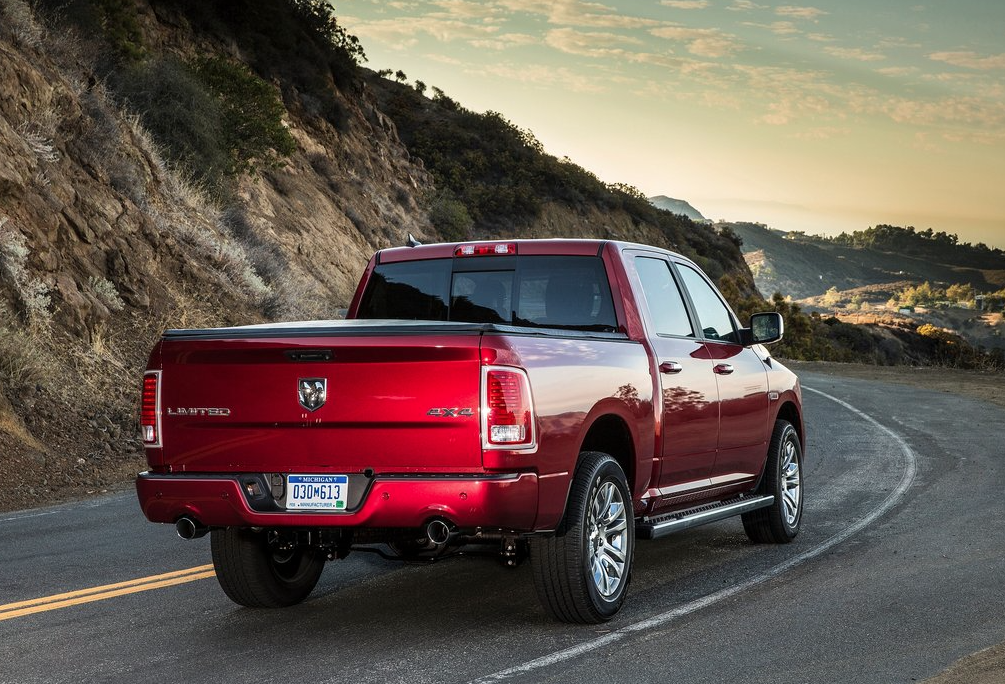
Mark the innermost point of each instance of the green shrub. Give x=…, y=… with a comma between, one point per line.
x=215, y=118
x=181, y=114
x=122, y=28
x=450, y=218
x=252, y=114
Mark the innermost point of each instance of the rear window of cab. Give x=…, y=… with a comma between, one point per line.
x=565, y=292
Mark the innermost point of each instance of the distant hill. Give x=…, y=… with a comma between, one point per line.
x=676, y=206
x=802, y=266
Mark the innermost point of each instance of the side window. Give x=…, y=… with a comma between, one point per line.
x=716, y=321
x=666, y=306
x=415, y=290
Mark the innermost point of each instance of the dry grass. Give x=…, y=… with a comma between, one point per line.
x=191, y=215
x=32, y=292
x=13, y=426
x=19, y=18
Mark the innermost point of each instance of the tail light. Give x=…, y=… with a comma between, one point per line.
x=507, y=409
x=150, y=409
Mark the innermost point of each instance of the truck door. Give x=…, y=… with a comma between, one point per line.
x=687, y=399
x=742, y=382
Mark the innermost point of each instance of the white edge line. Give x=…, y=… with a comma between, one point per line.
x=102, y=500
x=661, y=619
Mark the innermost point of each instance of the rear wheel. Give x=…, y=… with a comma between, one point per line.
x=581, y=572
x=783, y=478
x=259, y=570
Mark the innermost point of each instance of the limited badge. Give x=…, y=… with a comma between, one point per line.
x=312, y=392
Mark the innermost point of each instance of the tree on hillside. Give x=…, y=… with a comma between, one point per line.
x=960, y=293
x=831, y=298
x=920, y=295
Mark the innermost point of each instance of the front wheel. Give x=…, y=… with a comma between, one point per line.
x=257, y=571
x=783, y=478
x=581, y=572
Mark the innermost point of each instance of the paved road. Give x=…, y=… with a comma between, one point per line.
x=899, y=571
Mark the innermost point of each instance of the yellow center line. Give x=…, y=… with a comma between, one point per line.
x=107, y=591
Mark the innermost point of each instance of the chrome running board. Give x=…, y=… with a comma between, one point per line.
x=662, y=525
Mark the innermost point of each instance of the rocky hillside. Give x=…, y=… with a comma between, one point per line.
x=185, y=163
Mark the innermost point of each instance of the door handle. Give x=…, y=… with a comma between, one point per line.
x=671, y=367
x=723, y=369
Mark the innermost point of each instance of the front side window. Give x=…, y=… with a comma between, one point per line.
x=715, y=319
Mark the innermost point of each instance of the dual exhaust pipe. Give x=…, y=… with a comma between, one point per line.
x=439, y=532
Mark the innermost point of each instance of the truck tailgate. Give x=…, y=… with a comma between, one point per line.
x=400, y=404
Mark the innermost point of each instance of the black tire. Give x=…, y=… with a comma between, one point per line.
x=564, y=562
x=257, y=575
x=783, y=478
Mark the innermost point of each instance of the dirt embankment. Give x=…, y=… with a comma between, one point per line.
x=981, y=385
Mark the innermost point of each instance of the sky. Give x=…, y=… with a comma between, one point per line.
x=825, y=117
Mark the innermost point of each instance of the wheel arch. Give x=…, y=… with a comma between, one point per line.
x=790, y=412
x=609, y=434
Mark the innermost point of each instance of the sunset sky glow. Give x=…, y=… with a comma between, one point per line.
x=832, y=116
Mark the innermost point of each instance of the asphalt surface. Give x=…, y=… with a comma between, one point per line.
x=898, y=572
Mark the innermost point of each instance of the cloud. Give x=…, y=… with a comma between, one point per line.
x=505, y=41
x=897, y=42
x=779, y=28
x=856, y=54
x=610, y=46
x=466, y=9
x=897, y=71
x=975, y=117
x=577, y=13
x=399, y=33
x=808, y=13
x=745, y=6
x=700, y=42
x=543, y=76
x=589, y=44
x=685, y=4
x=970, y=60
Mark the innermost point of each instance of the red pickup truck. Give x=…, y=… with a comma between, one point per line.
x=556, y=399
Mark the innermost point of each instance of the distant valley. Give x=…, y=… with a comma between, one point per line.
x=801, y=266
x=886, y=274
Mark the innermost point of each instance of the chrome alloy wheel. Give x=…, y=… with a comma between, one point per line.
x=607, y=538
x=791, y=482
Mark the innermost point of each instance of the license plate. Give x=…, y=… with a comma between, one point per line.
x=316, y=492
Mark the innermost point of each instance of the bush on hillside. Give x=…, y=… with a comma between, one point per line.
x=181, y=114
x=215, y=118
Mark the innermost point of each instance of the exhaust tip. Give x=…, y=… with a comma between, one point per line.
x=440, y=532
x=187, y=528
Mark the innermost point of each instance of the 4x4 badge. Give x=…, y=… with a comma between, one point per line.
x=312, y=392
